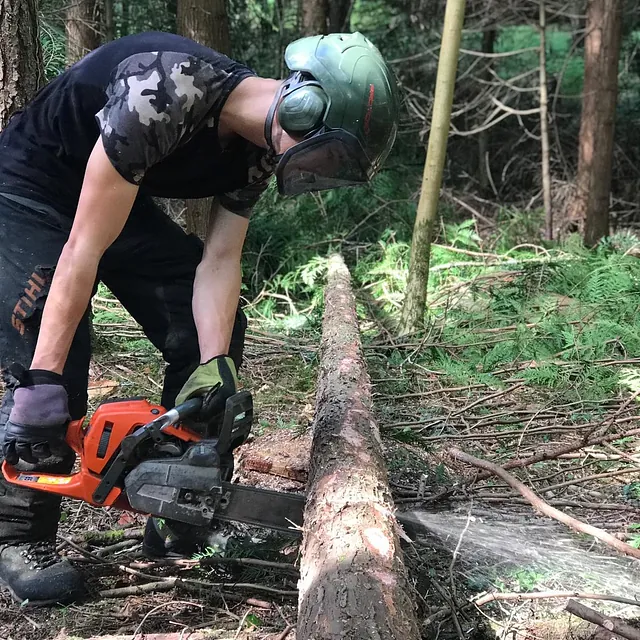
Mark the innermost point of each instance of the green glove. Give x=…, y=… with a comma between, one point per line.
x=216, y=380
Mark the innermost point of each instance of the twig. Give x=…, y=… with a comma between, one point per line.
x=242, y=621
x=543, y=595
x=138, y=589
x=87, y=554
x=543, y=507
x=485, y=399
x=287, y=630
x=614, y=626
x=161, y=606
x=552, y=454
x=118, y=546
x=109, y=537
x=595, y=476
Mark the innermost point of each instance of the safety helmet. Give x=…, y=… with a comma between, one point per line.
x=341, y=99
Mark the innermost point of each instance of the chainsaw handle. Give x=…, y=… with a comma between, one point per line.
x=189, y=408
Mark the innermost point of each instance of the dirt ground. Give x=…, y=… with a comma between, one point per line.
x=232, y=597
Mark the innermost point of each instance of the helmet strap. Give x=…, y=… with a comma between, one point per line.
x=271, y=114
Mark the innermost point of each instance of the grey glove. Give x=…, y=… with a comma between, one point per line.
x=38, y=422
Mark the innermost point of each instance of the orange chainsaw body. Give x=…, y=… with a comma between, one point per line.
x=96, y=444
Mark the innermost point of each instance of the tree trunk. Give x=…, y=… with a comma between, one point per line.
x=108, y=19
x=593, y=182
x=21, y=67
x=206, y=22
x=353, y=583
x=488, y=44
x=339, y=15
x=315, y=14
x=83, y=29
x=418, y=278
x=544, y=125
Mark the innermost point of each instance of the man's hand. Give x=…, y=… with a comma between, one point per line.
x=214, y=381
x=38, y=421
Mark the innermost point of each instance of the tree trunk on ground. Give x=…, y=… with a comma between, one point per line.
x=544, y=125
x=488, y=44
x=590, y=205
x=353, y=582
x=339, y=14
x=416, y=294
x=206, y=22
x=83, y=28
x=315, y=14
x=21, y=67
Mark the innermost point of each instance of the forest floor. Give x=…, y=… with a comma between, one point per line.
x=527, y=355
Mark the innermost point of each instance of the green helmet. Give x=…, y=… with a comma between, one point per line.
x=341, y=99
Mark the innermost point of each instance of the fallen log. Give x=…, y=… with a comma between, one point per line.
x=353, y=581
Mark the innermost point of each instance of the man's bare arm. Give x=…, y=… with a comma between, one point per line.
x=216, y=289
x=104, y=205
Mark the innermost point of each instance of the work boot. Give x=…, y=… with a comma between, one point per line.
x=172, y=539
x=35, y=574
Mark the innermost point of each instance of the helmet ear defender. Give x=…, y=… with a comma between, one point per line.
x=303, y=105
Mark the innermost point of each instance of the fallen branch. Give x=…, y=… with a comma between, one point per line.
x=610, y=624
x=552, y=454
x=544, y=595
x=543, y=507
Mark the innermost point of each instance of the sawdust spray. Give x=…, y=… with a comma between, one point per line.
x=531, y=554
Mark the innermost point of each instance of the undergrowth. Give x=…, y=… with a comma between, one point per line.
x=501, y=310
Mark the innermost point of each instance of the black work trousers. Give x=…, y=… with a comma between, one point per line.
x=150, y=268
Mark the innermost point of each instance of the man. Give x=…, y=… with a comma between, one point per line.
x=151, y=115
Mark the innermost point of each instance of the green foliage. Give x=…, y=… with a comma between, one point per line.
x=52, y=40
x=553, y=318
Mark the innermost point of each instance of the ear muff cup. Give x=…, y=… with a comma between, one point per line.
x=302, y=110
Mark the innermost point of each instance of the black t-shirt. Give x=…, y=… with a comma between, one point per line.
x=155, y=98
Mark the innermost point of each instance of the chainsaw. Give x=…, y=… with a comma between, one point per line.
x=137, y=456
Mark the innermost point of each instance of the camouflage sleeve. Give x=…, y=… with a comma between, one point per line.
x=260, y=171
x=155, y=101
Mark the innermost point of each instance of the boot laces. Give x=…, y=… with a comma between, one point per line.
x=41, y=554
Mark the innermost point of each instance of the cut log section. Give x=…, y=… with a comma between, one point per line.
x=353, y=582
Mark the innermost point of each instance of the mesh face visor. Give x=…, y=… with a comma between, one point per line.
x=327, y=160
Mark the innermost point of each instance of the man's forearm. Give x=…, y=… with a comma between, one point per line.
x=216, y=291
x=66, y=303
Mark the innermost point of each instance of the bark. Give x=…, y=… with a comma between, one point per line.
x=314, y=14
x=590, y=204
x=612, y=625
x=82, y=26
x=488, y=45
x=544, y=125
x=108, y=19
x=21, y=68
x=353, y=581
x=206, y=22
x=416, y=292
x=339, y=15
